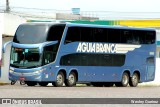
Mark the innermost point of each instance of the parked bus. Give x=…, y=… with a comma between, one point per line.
x=65, y=53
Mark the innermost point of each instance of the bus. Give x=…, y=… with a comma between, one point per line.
x=67, y=53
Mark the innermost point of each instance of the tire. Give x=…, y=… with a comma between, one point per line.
x=22, y=83
x=43, y=83
x=72, y=79
x=134, y=80
x=13, y=82
x=30, y=83
x=59, y=80
x=124, y=82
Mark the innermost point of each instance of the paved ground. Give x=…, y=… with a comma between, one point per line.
x=23, y=91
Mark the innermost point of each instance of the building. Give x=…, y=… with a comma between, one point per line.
x=10, y=23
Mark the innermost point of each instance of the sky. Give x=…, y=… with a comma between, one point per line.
x=90, y=5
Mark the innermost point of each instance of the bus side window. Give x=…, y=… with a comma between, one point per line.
x=49, y=54
x=73, y=35
x=55, y=33
x=47, y=57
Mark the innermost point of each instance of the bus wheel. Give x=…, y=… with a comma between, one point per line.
x=124, y=82
x=31, y=83
x=43, y=83
x=71, y=81
x=59, y=80
x=134, y=80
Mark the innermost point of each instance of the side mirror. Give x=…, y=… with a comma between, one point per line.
x=5, y=45
x=46, y=44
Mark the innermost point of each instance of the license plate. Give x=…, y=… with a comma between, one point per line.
x=22, y=79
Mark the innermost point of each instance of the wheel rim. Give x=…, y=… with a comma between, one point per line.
x=71, y=79
x=59, y=79
x=125, y=79
x=134, y=79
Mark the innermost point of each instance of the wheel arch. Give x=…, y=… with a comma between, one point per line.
x=127, y=71
x=64, y=72
x=76, y=73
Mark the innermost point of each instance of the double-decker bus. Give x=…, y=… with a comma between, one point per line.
x=66, y=53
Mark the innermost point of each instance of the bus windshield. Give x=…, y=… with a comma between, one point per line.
x=25, y=58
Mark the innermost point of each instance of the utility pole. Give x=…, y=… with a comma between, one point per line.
x=7, y=6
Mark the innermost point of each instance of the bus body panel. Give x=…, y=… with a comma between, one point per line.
x=137, y=58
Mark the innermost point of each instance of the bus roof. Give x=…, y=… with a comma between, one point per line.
x=43, y=23
x=109, y=26
x=87, y=25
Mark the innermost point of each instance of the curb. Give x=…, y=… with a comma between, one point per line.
x=3, y=83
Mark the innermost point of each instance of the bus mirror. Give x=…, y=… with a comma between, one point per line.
x=5, y=45
x=46, y=44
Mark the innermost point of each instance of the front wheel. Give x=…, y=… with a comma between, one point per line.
x=59, y=80
x=71, y=81
x=134, y=80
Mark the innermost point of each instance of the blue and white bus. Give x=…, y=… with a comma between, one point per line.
x=65, y=53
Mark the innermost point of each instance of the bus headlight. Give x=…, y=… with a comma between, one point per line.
x=39, y=71
x=11, y=71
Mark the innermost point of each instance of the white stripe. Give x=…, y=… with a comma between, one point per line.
x=120, y=48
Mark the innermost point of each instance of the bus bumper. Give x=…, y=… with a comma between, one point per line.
x=24, y=77
x=37, y=75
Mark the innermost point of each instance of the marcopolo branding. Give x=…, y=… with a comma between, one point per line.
x=105, y=47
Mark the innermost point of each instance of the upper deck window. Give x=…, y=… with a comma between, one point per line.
x=110, y=35
x=30, y=34
x=38, y=33
x=55, y=32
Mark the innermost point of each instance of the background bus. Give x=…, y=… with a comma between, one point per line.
x=71, y=53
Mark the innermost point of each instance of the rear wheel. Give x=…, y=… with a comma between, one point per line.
x=43, y=83
x=125, y=80
x=59, y=80
x=134, y=80
x=31, y=83
x=71, y=81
